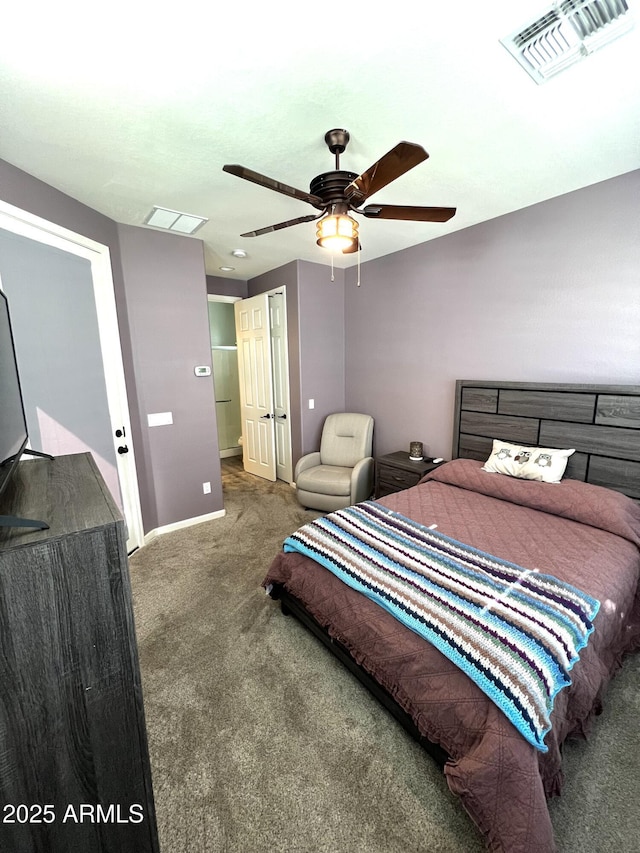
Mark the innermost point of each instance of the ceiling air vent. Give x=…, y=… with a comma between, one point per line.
x=173, y=220
x=568, y=32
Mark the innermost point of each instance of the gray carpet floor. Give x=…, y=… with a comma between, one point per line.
x=261, y=741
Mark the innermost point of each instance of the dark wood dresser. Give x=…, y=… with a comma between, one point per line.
x=74, y=764
x=396, y=471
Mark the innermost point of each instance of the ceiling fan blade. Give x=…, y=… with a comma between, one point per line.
x=267, y=229
x=416, y=214
x=271, y=184
x=390, y=166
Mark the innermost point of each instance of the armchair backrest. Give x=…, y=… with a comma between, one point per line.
x=347, y=437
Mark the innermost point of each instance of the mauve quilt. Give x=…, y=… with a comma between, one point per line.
x=585, y=535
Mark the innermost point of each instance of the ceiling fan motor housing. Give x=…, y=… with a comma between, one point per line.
x=337, y=140
x=330, y=186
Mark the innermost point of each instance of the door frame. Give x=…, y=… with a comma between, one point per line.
x=35, y=228
x=287, y=465
x=281, y=290
x=256, y=385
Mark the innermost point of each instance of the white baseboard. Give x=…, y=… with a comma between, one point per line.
x=179, y=525
x=231, y=451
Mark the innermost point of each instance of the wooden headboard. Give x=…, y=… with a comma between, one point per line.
x=602, y=422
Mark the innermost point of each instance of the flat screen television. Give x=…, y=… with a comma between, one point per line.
x=13, y=423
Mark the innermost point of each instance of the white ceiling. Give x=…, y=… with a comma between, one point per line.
x=134, y=104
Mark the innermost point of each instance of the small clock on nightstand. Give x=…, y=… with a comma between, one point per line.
x=395, y=472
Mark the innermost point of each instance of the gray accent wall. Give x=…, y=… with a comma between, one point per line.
x=548, y=293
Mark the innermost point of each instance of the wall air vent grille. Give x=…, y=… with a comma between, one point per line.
x=567, y=33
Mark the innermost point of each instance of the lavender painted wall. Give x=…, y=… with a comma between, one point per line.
x=219, y=286
x=549, y=293
x=165, y=496
x=546, y=293
x=34, y=196
x=166, y=297
x=322, y=336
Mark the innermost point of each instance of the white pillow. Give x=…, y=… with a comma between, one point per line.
x=545, y=464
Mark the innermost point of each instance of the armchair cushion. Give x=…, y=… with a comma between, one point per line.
x=310, y=460
x=326, y=480
x=340, y=474
x=346, y=438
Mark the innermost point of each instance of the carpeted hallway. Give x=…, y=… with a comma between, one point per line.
x=260, y=741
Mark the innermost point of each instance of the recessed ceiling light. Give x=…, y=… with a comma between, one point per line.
x=173, y=220
x=226, y=269
x=239, y=253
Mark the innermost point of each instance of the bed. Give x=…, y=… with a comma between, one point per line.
x=583, y=531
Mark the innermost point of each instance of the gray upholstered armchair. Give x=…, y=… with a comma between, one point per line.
x=341, y=473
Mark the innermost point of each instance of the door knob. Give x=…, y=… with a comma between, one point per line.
x=267, y=416
x=283, y=417
x=123, y=449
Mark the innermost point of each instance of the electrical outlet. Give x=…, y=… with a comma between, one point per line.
x=206, y=488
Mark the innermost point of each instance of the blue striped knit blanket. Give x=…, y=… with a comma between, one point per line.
x=516, y=632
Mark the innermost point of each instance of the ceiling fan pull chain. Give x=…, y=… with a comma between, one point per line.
x=332, y=276
x=358, y=283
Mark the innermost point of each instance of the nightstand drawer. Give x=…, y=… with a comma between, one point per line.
x=395, y=472
x=396, y=479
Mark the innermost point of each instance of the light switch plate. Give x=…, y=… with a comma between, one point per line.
x=160, y=419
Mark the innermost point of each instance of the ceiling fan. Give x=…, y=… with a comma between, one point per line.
x=336, y=193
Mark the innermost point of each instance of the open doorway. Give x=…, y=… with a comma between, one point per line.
x=224, y=358
x=263, y=362
x=60, y=288
x=252, y=387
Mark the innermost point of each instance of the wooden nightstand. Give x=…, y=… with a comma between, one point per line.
x=395, y=472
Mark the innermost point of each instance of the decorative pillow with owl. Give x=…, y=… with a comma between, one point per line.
x=545, y=464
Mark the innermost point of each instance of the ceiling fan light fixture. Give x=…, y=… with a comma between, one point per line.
x=337, y=192
x=337, y=232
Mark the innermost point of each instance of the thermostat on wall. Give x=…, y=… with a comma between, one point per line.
x=202, y=370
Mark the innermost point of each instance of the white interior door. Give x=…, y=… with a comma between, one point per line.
x=57, y=433
x=280, y=366
x=256, y=386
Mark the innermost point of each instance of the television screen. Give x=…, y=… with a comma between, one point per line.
x=13, y=425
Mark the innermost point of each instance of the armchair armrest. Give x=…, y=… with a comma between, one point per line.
x=310, y=460
x=362, y=480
